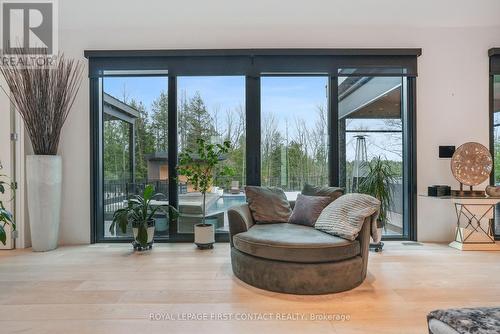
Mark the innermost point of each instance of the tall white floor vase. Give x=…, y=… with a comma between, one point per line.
x=44, y=176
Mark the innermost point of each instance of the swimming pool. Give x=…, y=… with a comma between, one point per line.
x=226, y=202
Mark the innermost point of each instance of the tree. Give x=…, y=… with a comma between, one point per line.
x=144, y=142
x=116, y=149
x=270, y=138
x=159, y=122
x=319, y=144
x=200, y=166
x=232, y=129
x=198, y=122
x=182, y=121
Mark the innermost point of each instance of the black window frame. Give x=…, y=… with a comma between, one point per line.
x=251, y=63
x=494, y=69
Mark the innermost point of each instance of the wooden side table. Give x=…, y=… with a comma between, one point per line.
x=474, y=229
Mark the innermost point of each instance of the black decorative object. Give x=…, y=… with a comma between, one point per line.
x=439, y=190
x=446, y=151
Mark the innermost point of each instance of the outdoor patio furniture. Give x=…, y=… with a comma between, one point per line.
x=235, y=187
x=191, y=211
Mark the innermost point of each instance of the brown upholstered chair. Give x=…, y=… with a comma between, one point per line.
x=295, y=259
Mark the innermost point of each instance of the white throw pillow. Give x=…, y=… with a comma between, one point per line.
x=345, y=216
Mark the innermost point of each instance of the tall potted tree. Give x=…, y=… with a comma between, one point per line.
x=43, y=96
x=201, y=167
x=377, y=183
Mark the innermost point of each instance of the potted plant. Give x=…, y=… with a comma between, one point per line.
x=43, y=95
x=377, y=183
x=139, y=212
x=200, y=169
x=6, y=217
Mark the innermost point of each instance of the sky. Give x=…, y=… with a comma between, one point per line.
x=288, y=98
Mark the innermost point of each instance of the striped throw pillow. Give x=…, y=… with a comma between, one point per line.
x=344, y=217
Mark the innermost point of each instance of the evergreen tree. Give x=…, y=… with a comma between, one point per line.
x=181, y=121
x=296, y=159
x=198, y=122
x=275, y=160
x=116, y=149
x=159, y=122
x=144, y=141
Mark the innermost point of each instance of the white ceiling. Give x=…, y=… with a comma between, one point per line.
x=151, y=14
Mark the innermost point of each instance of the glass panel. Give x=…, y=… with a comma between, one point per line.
x=496, y=144
x=372, y=71
x=294, y=132
x=354, y=124
x=212, y=108
x=496, y=126
x=135, y=144
x=370, y=127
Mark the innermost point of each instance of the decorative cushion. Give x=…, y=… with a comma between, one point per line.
x=294, y=243
x=307, y=209
x=345, y=216
x=478, y=320
x=332, y=192
x=268, y=204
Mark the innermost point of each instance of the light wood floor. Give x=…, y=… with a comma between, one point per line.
x=109, y=289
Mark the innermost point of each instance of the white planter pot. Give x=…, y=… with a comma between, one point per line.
x=204, y=236
x=43, y=180
x=151, y=233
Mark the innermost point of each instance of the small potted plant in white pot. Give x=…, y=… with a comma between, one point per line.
x=200, y=169
x=140, y=212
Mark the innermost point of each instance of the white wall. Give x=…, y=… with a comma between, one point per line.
x=452, y=87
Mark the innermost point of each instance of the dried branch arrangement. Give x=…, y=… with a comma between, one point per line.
x=43, y=96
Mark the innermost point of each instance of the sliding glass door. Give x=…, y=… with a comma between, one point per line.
x=212, y=108
x=292, y=117
x=134, y=145
x=496, y=144
x=496, y=127
x=371, y=115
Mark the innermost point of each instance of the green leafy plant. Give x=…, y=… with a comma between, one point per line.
x=139, y=212
x=200, y=167
x=6, y=217
x=377, y=183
